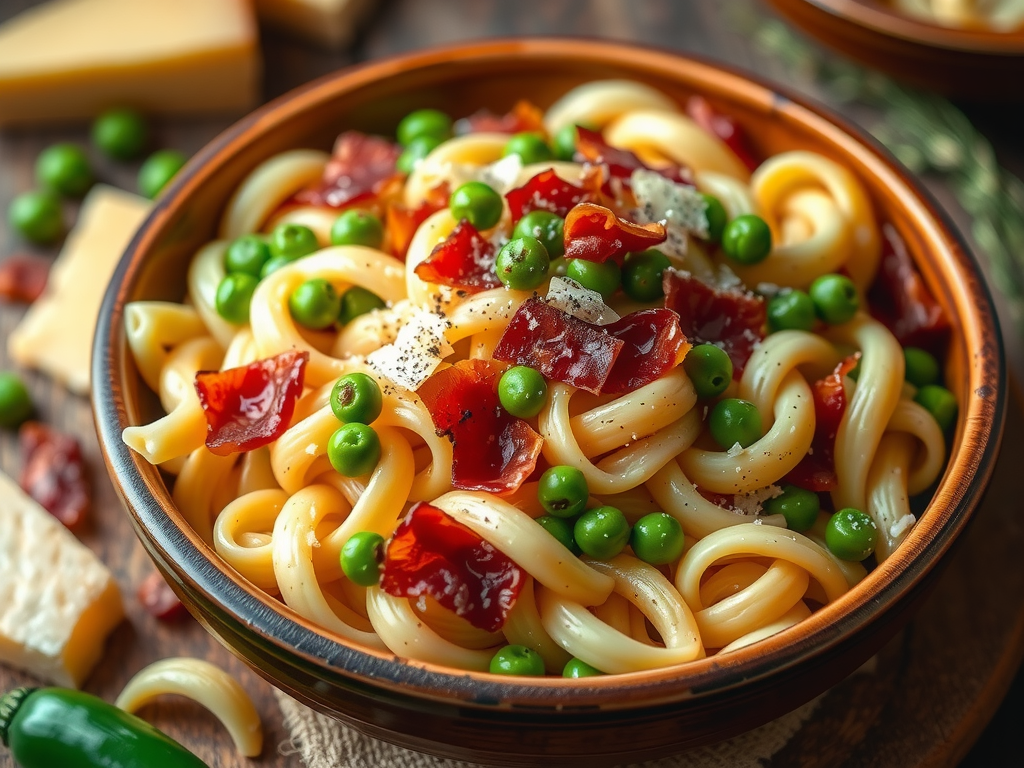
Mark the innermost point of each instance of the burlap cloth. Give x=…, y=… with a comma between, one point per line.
x=325, y=743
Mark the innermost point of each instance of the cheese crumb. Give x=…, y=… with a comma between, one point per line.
x=412, y=358
x=901, y=526
x=572, y=298
x=752, y=503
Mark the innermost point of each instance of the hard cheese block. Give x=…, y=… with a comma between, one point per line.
x=58, y=602
x=56, y=333
x=71, y=59
x=328, y=23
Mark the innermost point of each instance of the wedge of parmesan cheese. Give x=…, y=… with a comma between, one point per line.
x=420, y=347
x=56, y=333
x=58, y=602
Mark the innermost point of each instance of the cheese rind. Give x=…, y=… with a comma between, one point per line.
x=70, y=59
x=56, y=333
x=58, y=602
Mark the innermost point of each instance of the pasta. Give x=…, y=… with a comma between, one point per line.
x=408, y=423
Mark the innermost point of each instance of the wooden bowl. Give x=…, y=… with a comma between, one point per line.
x=475, y=716
x=976, y=64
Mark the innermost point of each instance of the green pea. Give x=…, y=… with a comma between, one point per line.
x=798, y=505
x=121, y=134
x=424, y=122
x=37, y=216
x=835, y=298
x=747, y=239
x=545, y=226
x=477, y=203
x=293, y=241
x=522, y=263
x=561, y=529
x=641, y=274
x=417, y=149
x=358, y=301
x=922, y=368
x=354, y=450
x=657, y=538
x=361, y=557
x=247, y=254
x=851, y=535
x=716, y=216
x=604, y=277
x=517, y=660
x=709, y=369
x=562, y=491
x=602, y=532
x=790, y=310
x=735, y=421
x=15, y=402
x=158, y=170
x=315, y=304
x=522, y=391
x=530, y=147
x=564, y=143
x=940, y=403
x=234, y=295
x=273, y=264
x=65, y=169
x=356, y=397
x=356, y=227
x=576, y=668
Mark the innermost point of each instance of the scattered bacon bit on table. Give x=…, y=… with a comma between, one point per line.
x=23, y=277
x=724, y=127
x=492, y=449
x=431, y=554
x=595, y=233
x=816, y=471
x=524, y=116
x=653, y=345
x=251, y=406
x=592, y=148
x=359, y=169
x=465, y=259
x=732, y=318
x=53, y=473
x=401, y=222
x=159, y=600
x=547, y=191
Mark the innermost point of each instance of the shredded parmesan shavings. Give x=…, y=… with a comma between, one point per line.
x=572, y=298
x=752, y=503
x=682, y=208
x=420, y=347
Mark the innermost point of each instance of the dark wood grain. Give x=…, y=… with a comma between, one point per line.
x=958, y=657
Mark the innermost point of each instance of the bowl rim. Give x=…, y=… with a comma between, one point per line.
x=180, y=553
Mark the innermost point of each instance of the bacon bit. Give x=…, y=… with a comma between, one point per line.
x=23, y=277
x=547, y=191
x=251, y=406
x=54, y=473
x=464, y=260
x=524, y=116
x=724, y=127
x=401, y=222
x=359, y=169
x=816, y=471
x=159, y=599
x=492, y=449
x=730, y=318
x=900, y=299
x=595, y=233
x=654, y=344
x=431, y=554
x=592, y=148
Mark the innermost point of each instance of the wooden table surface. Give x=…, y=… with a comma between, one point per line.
x=701, y=26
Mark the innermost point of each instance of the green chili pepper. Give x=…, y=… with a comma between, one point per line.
x=48, y=727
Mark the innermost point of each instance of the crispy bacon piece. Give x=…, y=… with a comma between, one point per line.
x=401, y=222
x=592, y=148
x=595, y=233
x=654, y=344
x=464, y=260
x=547, y=191
x=360, y=167
x=731, y=318
x=524, y=116
x=431, y=554
x=23, y=277
x=492, y=449
x=900, y=299
x=722, y=126
x=816, y=471
x=251, y=406
x=54, y=473
x=159, y=600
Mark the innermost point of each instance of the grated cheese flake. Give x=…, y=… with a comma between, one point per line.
x=682, y=208
x=572, y=298
x=901, y=526
x=753, y=503
x=420, y=347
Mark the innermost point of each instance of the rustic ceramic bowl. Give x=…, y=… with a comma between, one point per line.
x=593, y=721
x=975, y=64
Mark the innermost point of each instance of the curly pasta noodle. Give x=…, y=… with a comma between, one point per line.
x=281, y=515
